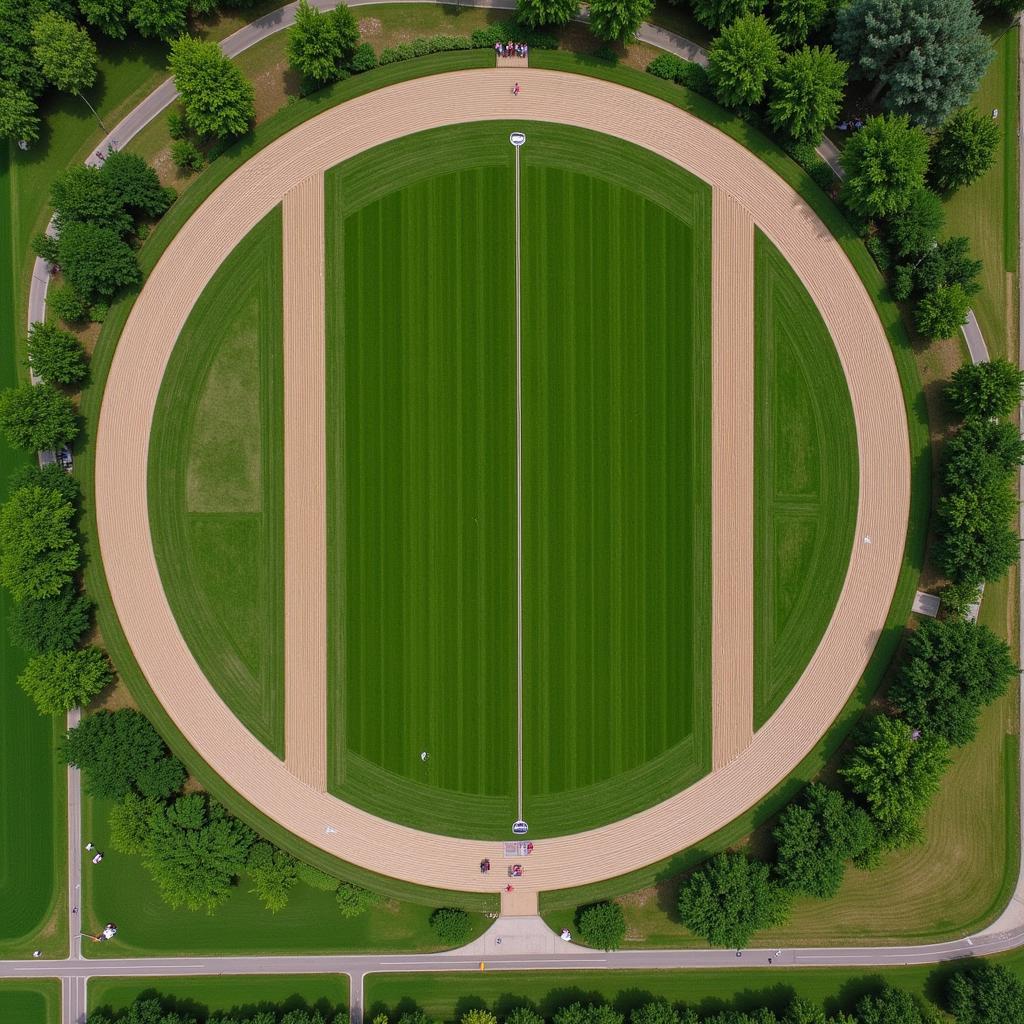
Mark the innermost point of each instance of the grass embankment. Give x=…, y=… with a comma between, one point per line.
x=216, y=483
x=616, y=503
x=120, y=889
x=805, y=499
x=228, y=994
x=33, y=865
x=447, y=996
x=30, y=1002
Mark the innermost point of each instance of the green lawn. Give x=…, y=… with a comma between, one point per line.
x=30, y=1002
x=201, y=997
x=121, y=890
x=805, y=502
x=421, y=484
x=216, y=478
x=447, y=996
x=32, y=868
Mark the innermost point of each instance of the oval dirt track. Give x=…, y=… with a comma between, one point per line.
x=122, y=447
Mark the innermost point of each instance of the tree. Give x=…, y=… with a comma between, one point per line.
x=353, y=899
x=322, y=43
x=1001, y=8
x=715, y=13
x=130, y=822
x=730, y=898
x=602, y=925
x=986, y=389
x=38, y=549
x=37, y=418
x=195, y=850
x=160, y=19
x=964, y=150
x=889, y=1006
x=66, y=304
x=803, y=1011
x=218, y=100
x=109, y=16
x=135, y=185
x=953, y=669
x=977, y=541
x=941, y=313
x=657, y=1011
x=986, y=993
x=55, y=355
x=273, y=875
x=617, y=20
x=743, y=60
x=535, y=13
x=816, y=837
x=19, y=117
x=478, y=1016
x=120, y=752
x=587, y=1013
x=948, y=263
x=896, y=773
x=807, y=93
x=795, y=20
x=315, y=878
x=96, y=261
x=64, y=52
x=927, y=56
x=187, y=156
x=885, y=164
x=918, y=226
x=451, y=925
x=52, y=476
x=57, y=623
x=81, y=193
x=61, y=680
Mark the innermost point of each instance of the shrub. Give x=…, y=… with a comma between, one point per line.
x=273, y=875
x=667, y=66
x=364, y=59
x=66, y=304
x=177, y=125
x=186, y=156
x=353, y=899
x=451, y=925
x=315, y=878
x=602, y=925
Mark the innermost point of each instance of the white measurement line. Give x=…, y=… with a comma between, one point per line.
x=519, y=502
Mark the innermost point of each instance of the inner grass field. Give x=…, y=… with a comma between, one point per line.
x=30, y=1002
x=421, y=479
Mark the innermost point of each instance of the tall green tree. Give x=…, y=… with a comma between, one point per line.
x=322, y=43
x=953, y=669
x=135, y=185
x=885, y=164
x=587, y=1013
x=657, y=1011
x=916, y=229
x=81, y=193
x=795, y=20
x=617, y=21
x=896, y=773
x=109, y=16
x=37, y=418
x=218, y=100
x=815, y=838
x=602, y=925
x=986, y=389
x=38, y=548
x=120, y=752
x=353, y=900
x=96, y=261
x=941, y=313
x=273, y=875
x=964, y=149
x=715, y=14
x=889, y=1006
x=807, y=93
x=57, y=623
x=986, y=993
x=19, y=115
x=52, y=476
x=925, y=56
x=62, y=680
x=536, y=13
x=160, y=19
x=55, y=355
x=743, y=60
x=66, y=55
x=195, y=850
x=729, y=898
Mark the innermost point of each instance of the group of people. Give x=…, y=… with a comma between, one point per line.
x=512, y=49
x=852, y=125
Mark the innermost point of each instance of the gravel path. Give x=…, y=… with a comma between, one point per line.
x=234, y=209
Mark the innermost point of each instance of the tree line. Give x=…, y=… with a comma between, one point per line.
x=152, y=1010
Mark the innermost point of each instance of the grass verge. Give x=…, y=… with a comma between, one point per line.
x=30, y=1002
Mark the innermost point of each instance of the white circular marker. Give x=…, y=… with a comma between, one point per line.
x=517, y=139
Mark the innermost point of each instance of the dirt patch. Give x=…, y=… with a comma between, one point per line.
x=115, y=697
x=370, y=27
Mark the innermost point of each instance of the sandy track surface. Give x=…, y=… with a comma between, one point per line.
x=732, y=477
x=305, y=485
x=224, y=219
